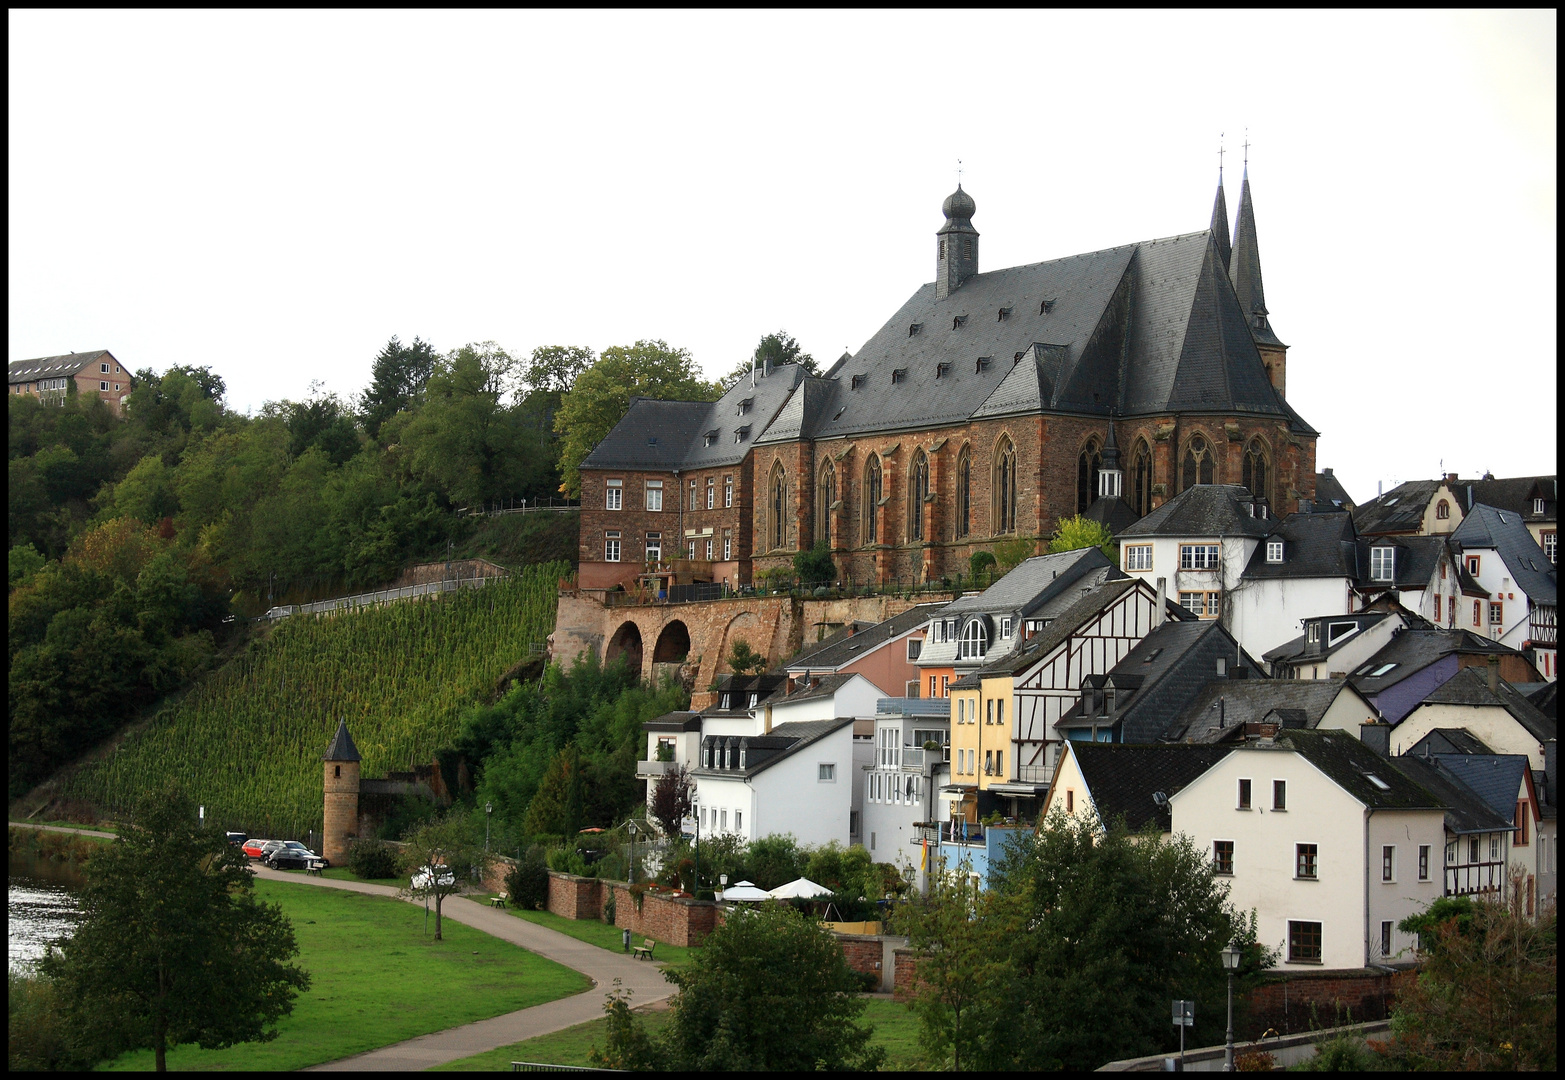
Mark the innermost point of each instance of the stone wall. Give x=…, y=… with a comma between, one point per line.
x=1308, y=1000
x=572, y=897
x=906, y=983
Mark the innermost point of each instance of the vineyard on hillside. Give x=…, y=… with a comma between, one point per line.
x=247, y=741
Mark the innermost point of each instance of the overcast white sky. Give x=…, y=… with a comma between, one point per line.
x=276, y=194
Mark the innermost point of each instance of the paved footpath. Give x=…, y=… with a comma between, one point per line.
x=644, y=980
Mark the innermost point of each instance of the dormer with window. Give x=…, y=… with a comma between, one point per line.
x=983, y=364
x=941, y=369
x=1005, y=313
x=1537, y=507
x=898, y=374
x=1382, y=564
x=711, y=437
x=1046, y=307
x=959, y=322
x=744, y=406
x=740, y=434
x=1274, y=551
x=913, y=330
x=857, y=381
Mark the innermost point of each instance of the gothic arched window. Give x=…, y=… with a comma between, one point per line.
x=1088, y=465
x=871, y=499
x=964, y=491
x=1141, y=478
x=917, y=488
x=825, y=495
x=1256, y=474
x=1200, y=464
x=1004, y=486
x=777, y=504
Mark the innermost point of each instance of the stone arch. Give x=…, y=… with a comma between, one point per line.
x=673, y=644
x=745, y=625
x=1198, y=464
x=964, y=491
x=625, y=642
x=1141, y=477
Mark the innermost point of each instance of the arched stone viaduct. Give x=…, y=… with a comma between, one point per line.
x=696, y=638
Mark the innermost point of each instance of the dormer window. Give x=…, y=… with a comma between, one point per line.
x=724, y=703
x=1381, y=560
x=983, y=363
x=1047, y=306
x=857, y=381
x=1537, y=506
x=1274, y=551
x=652, y=440
x=941, y=369
x=912, y=331
x=754, y=697
x=744, y=406
x=975, y=641
x=1005, y=313
x=1336, y=631
x=711, y=437
x=898, y=374
x=1312, y=633
x=959, y=322
x=741, y=433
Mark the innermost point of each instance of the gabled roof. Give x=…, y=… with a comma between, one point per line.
x=1068, y=622
x=1465, y=811
x=1506, y=533
x=823, y=687
x=1299, y=703
x=1301, y=649
x=1495, y=778
x=341, y=748
x=1205, y=510
x=1355, y=768
x=1031, y=583
x=1514, y=493
x=45, y=367
x=1313, y=546
x=1470, y=686
x=1400, y=510
x=764, y=751
x=1122, y=779
x=666, y=435
x=1329, y=492
x=740, y=687
x=1448, y=740
x=1415, y=648
x=844, y=649
x=1414, y=560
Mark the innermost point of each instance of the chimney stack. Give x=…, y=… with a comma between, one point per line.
x=1376, y=736
x=1494, y=674
x=1162, y=603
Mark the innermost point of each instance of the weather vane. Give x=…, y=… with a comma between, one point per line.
x=958, y=172
x=1246, y=148
x=1220, y=153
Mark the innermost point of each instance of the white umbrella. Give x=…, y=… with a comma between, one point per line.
x=745, y=890
x=800, y=887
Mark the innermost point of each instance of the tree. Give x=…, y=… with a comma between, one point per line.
x=443, y=857
x=601, y=395
x=397, y=379
x=775, y=859
x=815, y=566
x=671, y=797
x=172, y=946
x=1486, y=996
x=553, y=368
x=1074, y=533
x=779, y=348
x=1010, y=553
x=768, y=990
x=744, y=659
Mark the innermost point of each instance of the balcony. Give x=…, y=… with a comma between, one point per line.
x=1034, y=774
x=914, y=758
x=654, y=768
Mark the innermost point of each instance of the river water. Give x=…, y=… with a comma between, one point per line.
x=40, y=906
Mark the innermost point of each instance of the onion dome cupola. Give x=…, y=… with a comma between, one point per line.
x=956, y=257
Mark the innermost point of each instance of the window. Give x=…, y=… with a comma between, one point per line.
x=1141, y=478
x=654, y=495
x=914, y=647
x=1070, y=801
x=739, y=818
x=1423, y=862
x=931, y=686
x=654, y=547
x=1198, y=556
x=917, y=490
x=1274, y=551
x=1138, y=556
x=964, y=491
x=1199, y=466
x=827, y=773
x=1279, y=794
x=1477, y=612
x=1388, y=862
x=728, y=491
x=611, y=547
x=104, y=368
x=103, y=386
x=999, y=755
x=1304, y=942
x=1496, y=613
x=975, y=640
x=1222, y=856
x=872, y=493
x=1255, y=471
x=692, y=501
x=116, y=386
x=988, y=762
x=1537, y=506
x=945, y=686
x=1437, y=607
x=691, y=547
x=989, y=711
x=825, y=495
x=1005, y=627
x=1472, y=848
x=1525, y=821
x=709, y=550
x=728, y=544
x=1244, y=794
x=1312, y=633
x=1381, y=560
x=1004, y=486
x=1551, y=545
x=1304, y=860
x=725, y=821
x=999, y=711
x=1385, y=939
x=1089, y=463
x=614, y=497
x=711, y=492
x=1473, y=562
x=1204, y=604
x=778, y=505
x=1442, y=510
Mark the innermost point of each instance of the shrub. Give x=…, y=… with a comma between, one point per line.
x=869, y=981
x=1345, y=1053
x=370, y=858
x=976, y=565
x=815, y=566
x=528, y=882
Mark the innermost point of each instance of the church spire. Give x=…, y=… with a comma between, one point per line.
x=1244, y=269
x=1111, y=478
x=957, y=257
x=1220, y=221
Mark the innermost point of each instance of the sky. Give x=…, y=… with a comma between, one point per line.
x=276, y=194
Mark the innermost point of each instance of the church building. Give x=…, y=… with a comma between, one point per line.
x=990, y=406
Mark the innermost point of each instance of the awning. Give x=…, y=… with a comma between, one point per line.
x=1020, y=791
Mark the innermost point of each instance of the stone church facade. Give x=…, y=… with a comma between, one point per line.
x=989, y=407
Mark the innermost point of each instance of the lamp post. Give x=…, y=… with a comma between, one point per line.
x=722, y=883
x=1231, y=954
x=695, y=805
x=488, y=813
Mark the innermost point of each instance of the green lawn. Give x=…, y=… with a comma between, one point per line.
x=379, y=979
x=601, y=934
x=895, y=1028
x=342, y=873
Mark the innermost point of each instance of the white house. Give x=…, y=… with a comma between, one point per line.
x=1324, y=839
x=1500, y=552
x=1105, y=783
x=797, y=778
x=1332, y=646
x=1499, y=716
x=900, y=785
x=1478, y=842
x=1200, y=541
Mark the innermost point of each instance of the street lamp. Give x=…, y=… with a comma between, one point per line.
x=1231, y=954
x=488, y=813
x=722, y=883
x=695, y=805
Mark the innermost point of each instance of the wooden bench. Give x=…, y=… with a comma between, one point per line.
x=497, y=901
x=644, y=950
x=313, y=868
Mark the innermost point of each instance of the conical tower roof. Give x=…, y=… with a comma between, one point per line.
x=1220, y=223
x=341, y=748
x=1110, y=447
x=1244, y=270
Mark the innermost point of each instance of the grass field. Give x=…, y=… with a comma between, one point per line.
x=895, y=1028
x=600, y=934
x=342, y=873
x=379, y=979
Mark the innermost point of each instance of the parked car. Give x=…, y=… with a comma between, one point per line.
x=254, y=847
x=237, y=838
x=292, y=855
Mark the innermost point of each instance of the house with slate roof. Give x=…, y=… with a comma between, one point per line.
x=1417, y=659
x=1505, y=783
x=1535, y=499
x=797, y=778
x=1414, y=508
x=1322, y=837
x=885, y=653
x=1333, y=645
x=981, y=412
x=1105, y=783
x=1231, y=710
x=1330, y=494
x=1477, y=849
x=1494, y=713
x=53, y=378
x=1499, y=551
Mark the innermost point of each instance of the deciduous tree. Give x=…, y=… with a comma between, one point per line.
x=443, y=858
x=778, y=348
x=1077, y=532
x=671, y=799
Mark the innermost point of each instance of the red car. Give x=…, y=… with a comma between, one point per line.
x=256, y=848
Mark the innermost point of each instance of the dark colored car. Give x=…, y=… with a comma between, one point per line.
x=292, y=855
x=237, y=838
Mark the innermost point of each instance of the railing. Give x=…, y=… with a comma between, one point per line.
x=518, y=507
x=654, y=768
x=1034, y=774
x=371, y=599
x=914, y=758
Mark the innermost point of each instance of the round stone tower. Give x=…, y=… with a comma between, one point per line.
x=342, y=796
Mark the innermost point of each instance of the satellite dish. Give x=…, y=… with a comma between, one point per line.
x=1160, y=798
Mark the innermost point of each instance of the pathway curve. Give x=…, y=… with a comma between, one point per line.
x=644, y=980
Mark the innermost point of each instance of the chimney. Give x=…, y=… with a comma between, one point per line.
x=1494, y=674
x=767, y=722
x=767, y=370
x=1376, y=736
x=1450, y=478
x=1162, y=603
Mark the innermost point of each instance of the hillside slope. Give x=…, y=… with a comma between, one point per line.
x=247, y=741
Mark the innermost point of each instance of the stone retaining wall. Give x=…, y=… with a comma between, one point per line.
x=1308, y=1000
